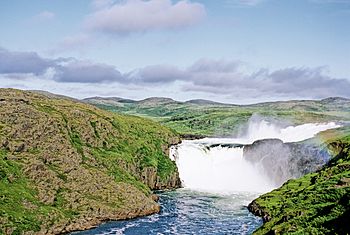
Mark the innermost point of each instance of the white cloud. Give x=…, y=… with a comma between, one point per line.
x=231, y=77
x=13, y=62
x=87, y=72
x=215, y=77
x=130, y=16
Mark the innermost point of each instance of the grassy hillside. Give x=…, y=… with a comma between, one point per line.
x=66, y=165
x=214, y=119
x=317, y=203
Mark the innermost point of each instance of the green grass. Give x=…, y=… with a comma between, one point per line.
x=14, y=191
x=216, y=120
x=20, y=209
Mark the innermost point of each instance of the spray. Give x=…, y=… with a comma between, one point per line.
x=223, y=169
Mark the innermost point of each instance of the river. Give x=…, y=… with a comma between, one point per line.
x=218, y=186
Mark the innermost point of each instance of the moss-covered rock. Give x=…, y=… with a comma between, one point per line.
x=66, y=165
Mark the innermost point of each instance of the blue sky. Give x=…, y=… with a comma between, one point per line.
x=236, y=51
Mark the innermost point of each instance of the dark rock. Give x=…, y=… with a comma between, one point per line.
x=226, y=145
x=283, y=161
x=5, y=143
x=192, y=136
x=20, y=148
x=255, y=208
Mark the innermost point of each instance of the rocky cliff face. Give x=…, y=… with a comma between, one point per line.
x=68, y=166
x=316, y=203
x=283, y=161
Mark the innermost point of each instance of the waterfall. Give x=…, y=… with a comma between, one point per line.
x=209, y=165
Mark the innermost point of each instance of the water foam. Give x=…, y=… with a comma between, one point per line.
x=224, y=170
x=218, y=170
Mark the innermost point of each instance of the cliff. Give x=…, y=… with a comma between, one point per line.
x=282, y=161
x=316, y=203
x=66, y=165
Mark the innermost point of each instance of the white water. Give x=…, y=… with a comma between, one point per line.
x=224, y=170
x=266, y=130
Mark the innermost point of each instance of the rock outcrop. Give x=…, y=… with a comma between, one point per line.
x=66, y=165
x=283, y=161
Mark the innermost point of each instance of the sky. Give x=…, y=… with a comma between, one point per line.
x=234, y=51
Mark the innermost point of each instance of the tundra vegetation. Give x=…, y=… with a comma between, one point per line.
x=66, y=165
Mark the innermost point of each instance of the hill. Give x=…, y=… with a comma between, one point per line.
x=117, y=101
x=202, y=117
x=205, y=102
x=66, y=165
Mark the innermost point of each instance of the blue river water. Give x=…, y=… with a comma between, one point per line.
x=189, y=212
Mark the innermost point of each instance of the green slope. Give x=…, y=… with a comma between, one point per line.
x=214, y=119
x=66, y=165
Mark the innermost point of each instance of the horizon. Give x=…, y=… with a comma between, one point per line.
x=230, y=51
x=181, y=101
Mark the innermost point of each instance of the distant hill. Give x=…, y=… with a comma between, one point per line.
x=205, y=102
x=165, y=100
x=335, y=100
x=156, y=101
x=205, y=117
x=117, y=101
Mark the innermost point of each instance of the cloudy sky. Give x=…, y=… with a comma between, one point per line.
x=236, y=51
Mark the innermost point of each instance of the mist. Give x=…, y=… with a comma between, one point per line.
x=223, y=169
